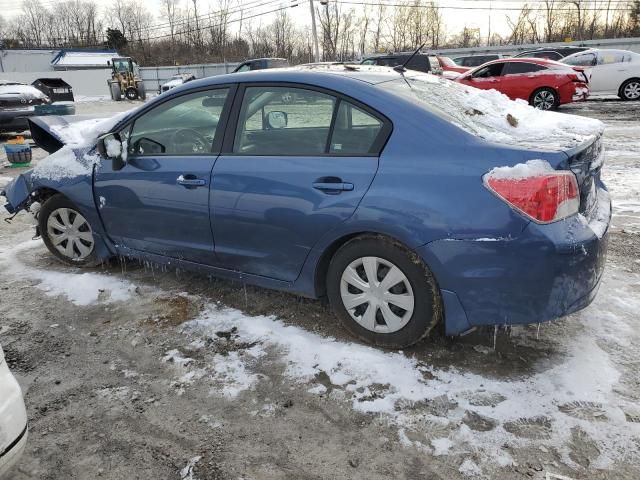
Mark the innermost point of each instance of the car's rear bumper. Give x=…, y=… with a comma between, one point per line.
x=13, y=420
x=547, y=272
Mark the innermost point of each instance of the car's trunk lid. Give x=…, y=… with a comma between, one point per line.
x=586, y=162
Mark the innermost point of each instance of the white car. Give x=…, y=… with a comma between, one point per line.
x=175, y=81
x=611, y=72
x=13, y=419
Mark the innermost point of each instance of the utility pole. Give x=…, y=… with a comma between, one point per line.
x=489, y=36
x=314, y=31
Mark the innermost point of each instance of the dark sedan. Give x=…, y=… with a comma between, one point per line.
x=17, y=103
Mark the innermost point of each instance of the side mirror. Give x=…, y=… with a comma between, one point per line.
x=110, y=146
x=276, y=120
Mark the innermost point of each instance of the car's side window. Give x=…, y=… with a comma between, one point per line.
x=547, y=55
x=493, y=70
x=607, y=58
x=283, y=121
x=185, y=125
x=243, y=68
x=586, y=60
x=513, y=68
x=355, y=131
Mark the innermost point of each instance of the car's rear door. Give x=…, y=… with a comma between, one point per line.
x=521, y=79
x=289, y=172
x=612, y=69
x=159, y=202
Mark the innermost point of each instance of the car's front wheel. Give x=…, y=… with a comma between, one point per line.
x=66, y=232
x=544, y=99
x=630, y=90
x=382, y=293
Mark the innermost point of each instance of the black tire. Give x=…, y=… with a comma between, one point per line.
x=630, y=90
x=142, y=91
x=427, y=307
x=546, y=97
x=131, y=93
x=116, y=92
x=50, y=207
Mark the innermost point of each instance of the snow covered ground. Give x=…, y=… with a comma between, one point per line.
x=167, y=374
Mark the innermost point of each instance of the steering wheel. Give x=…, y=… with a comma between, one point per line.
x=187, y=140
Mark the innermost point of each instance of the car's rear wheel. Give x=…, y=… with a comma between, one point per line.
x=630, y=90
x=544, y=99
x=382, y=293
x=66, y=232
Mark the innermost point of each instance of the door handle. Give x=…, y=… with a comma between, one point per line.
x=190, y=181
x=333, y=186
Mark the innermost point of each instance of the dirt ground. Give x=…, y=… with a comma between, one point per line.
x=130, y=387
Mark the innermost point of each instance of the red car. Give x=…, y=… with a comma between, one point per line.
x=449, y=65
x=545, y=84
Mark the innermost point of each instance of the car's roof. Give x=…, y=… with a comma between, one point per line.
x=315, y=73
x=263, y=59
x=479, y=55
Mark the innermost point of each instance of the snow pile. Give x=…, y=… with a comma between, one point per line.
x=187, y=472
x=84, y=133
x=19, y=89
x=4, y=181
x=532, y=168
x=409, y=393
x=79, y=288
x=77, y=157
x=492, y=116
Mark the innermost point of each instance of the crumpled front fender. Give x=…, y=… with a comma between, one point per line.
x=17, y=193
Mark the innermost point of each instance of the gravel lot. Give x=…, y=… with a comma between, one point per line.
x=131, y=372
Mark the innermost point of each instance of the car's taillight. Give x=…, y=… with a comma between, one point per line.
x=544, y=197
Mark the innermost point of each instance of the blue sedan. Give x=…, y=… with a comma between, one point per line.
x=379, y=189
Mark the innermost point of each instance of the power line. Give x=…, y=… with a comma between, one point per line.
x=207, y=16
x=436, y=6
x=192, y=30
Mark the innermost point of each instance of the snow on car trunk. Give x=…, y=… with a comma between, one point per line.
x=492, y=116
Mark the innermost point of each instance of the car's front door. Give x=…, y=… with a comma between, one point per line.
x=487, y=77
x=293, y=172
x=159, y=202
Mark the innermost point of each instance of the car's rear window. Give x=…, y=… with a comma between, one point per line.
x=492, y=116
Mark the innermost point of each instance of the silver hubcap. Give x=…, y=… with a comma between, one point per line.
x=544, y=100
x=632, y=90
x=70, y=233
x=377, y=294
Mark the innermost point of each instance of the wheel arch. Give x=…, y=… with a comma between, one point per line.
x=624, y=83
x=104, y=246
x=555, y=91
x=322, y=265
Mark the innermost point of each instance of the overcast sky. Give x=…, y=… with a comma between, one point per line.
x=457, y=13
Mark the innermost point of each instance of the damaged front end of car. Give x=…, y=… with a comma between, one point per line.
x=67, y=171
